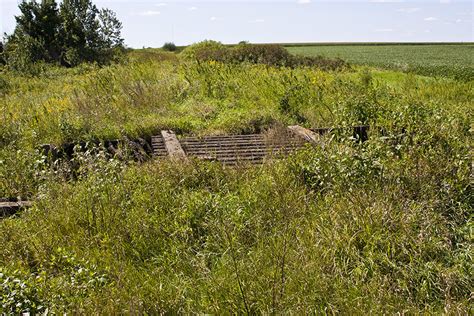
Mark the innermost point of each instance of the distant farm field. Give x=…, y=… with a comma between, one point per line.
x=453, y=61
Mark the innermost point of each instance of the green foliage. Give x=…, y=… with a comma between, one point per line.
x=191, y=52
x=76, y=32
x=170, y=47
x=4, y=85
x=19, y=293
x=270, y=55
x=90, y=34
x=152, y=55
x=199, y=237
x=21, y=172
x=343, y=227
x=2, y=57
x=36, y=36
x=451, y=61
x=58, y=283
x=71, y=279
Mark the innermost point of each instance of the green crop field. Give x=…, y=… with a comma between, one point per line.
x=448, y=60
x=377, y=227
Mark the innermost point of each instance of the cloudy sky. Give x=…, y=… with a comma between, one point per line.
x=150, y=23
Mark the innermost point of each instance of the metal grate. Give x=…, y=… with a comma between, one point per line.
x=158, y=146
x=234, y=149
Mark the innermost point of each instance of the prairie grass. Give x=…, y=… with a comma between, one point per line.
x=378, y=227
x=344, y=229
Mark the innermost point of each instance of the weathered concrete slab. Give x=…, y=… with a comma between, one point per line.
x=305, y=133
x=175, y=151
x=10, y=208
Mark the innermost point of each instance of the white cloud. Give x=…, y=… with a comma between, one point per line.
x=215, y=18
x=303, y=1
x=161, y=4
x=384, y=30
x=192, y=9
x=444, y=1
x=257, y=21
x=387, y=1
x=430, y=19
x=149, y=13
x=408, y=10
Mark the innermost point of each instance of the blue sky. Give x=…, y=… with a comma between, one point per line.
x=150, y=23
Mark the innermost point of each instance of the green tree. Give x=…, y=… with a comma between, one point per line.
x=111, y=41
x=89, y=34
x=2, y=59
x=79, y=30
x=36, y=34
x=75, y=32
x=169, y=46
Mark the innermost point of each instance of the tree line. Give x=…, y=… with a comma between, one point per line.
x=68, y=34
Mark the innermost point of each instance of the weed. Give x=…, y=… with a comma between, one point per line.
x=380, y=226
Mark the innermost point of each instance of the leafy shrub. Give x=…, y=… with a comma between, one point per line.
x=48, y=34
x=170, y=47
x=339, y=168
x=294, y=98
x=270, y=55
x=19, y=171
x=23, y=54
x=366, y=77
x=75, y=278
x=70, y=280
x=193, y=51
x=321, y=62
x=18, y=293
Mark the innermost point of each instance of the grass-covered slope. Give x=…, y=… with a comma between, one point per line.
x=379, y=227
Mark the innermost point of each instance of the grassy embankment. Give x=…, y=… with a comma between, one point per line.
x=384, y=226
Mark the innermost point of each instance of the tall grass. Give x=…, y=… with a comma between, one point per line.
x=347, y=228
x=142, y=97
x=378, y=227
